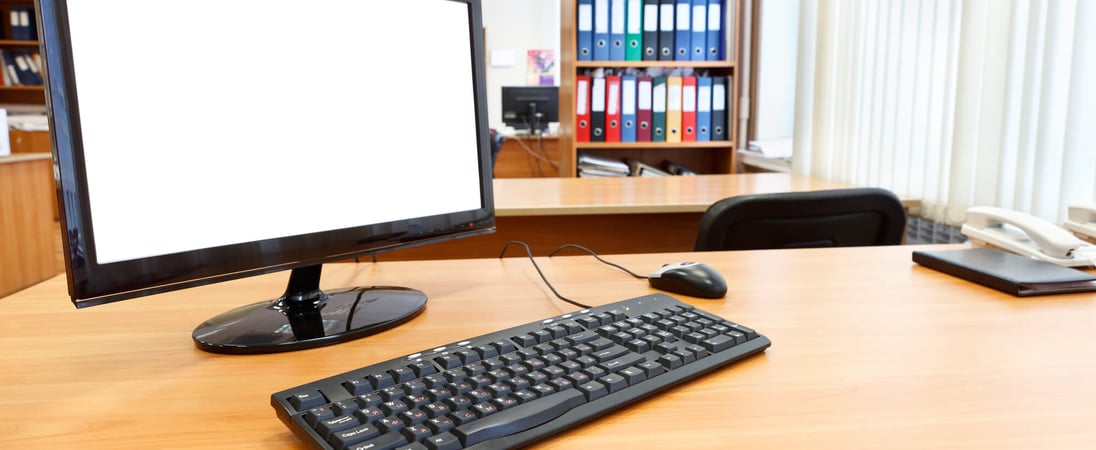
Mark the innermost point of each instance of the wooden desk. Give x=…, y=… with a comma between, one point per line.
x=29, y=245
x=608, y=215
x=528, y=156
x=869, y=351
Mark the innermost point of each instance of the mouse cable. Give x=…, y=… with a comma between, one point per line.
x=591, y=252
x=529, y=253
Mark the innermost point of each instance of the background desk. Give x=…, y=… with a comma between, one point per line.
x=29, y=243
x=608, y=215
x=528, y=156
x=869, y=351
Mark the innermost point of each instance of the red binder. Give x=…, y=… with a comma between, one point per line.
x=688, y=109
x=643, y=109
x=582, y=108
x=612, y=108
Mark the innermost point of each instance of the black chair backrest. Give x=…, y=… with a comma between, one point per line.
x=831, y=218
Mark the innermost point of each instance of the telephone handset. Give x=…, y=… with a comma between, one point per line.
x=1026, y=235
x=1082, y=221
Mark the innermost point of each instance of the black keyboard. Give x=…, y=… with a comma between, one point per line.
x=516, y=386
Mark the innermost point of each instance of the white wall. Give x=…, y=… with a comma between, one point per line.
x=514, y=27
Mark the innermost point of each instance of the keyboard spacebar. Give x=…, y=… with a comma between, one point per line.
x=519, y=418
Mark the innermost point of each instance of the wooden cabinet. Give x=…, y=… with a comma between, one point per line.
x=717, y=156
x=13, y=43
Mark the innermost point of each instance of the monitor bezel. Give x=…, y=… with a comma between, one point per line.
x=91, y=283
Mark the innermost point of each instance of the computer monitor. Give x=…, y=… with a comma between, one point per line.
x=530, y=107
x=198, y=141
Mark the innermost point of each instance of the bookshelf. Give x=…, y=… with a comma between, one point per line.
x=29, y=95
x=711, y=157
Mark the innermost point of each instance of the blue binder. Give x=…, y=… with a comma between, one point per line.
x=699, y=38
x=703, y=109
x=601, y=30
x=616, y=30
x=715, y=30
x=628, y=108
x=585, y=30
x=683, y=30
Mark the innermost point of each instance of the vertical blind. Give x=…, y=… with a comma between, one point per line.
x=958, y=103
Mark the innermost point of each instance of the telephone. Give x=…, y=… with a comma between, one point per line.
x=1026, y=235
x=1082, y=221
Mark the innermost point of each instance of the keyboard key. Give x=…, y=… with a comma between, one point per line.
x=593, y=390
x=357, y=386
x=633, y=375
x=307, y=400
x=443, y=441
x=613, y=382
x=417, y=432
x=384, y=442
x=401, y=374
x=354, y=435
x=317, y=414
x=328, y=426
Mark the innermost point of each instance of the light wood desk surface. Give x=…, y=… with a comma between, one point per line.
x=609, y=215
x=869, y=351
x=639, y=195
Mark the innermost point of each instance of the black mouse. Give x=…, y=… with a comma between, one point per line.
x=689, y=278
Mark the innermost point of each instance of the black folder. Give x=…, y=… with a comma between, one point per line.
x=720, y=127
x=1007, y=272
x=650, y=34
x=597, y=109
x=666, y=30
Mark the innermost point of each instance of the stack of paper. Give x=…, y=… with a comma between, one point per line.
x=595, y=166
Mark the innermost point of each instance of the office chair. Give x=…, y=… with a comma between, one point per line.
x=831, y=218
x=496, y=145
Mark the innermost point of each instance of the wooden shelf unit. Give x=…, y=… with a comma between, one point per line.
x=703, y=157
x=32, y=95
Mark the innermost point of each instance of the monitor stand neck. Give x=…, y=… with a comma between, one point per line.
x=307, y=317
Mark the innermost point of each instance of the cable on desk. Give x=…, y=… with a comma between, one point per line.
x=591, y=252
x=529, y=253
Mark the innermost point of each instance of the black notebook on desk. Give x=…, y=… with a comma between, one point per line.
x=1007, y=272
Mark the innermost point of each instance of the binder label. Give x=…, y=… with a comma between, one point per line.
x=633, y=16
x=666, y=17
x=704, y=98
x=698, y=18
x=601, y=17
x=714, y=16
x=597, y=100
x=659, y=96
x=688, y=98
x=614, y=98
x=629, y=98
x=580, y=91
x=719, y=97
x=644, y=100
x=585, y=17
x=683, y=16
x=650, y=17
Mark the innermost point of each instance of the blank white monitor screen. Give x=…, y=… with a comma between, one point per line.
x=200, y=137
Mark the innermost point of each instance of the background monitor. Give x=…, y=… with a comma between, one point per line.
x=205, y=140
x=530, y=107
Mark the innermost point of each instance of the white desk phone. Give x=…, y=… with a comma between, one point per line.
x=1082, y=221
x=1028, y=235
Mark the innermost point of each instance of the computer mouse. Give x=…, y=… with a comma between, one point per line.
x=689, y=278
